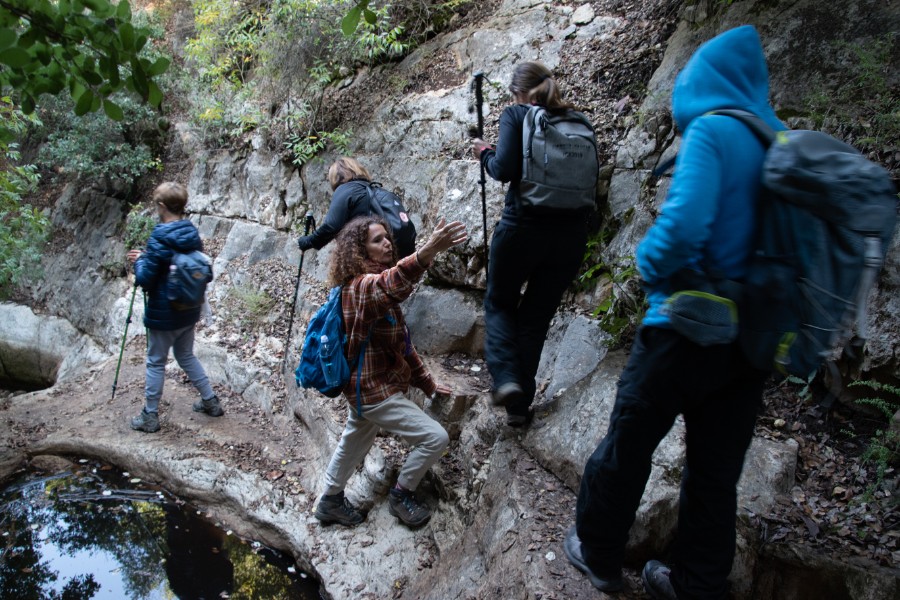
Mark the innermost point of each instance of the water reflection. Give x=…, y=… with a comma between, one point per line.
x=97, y=533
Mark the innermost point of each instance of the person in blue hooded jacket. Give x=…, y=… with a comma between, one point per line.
x=168, y=328
x=709, y=219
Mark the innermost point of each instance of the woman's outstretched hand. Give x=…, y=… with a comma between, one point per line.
x=444, y=236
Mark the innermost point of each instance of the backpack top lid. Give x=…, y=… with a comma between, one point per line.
x=825, y=176
x=831, y=179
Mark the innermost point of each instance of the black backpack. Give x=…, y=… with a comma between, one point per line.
x=388, y=206
x=826, y=218
x=559, y=161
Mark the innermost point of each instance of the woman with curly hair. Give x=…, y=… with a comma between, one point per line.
x=374, y=284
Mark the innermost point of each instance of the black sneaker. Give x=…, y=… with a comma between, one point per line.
x=515, y=420
x=337, y=509
x=210, y=407
x=572, y=548
x=656, y=581
x=403, y=505
x=506, y=394
x=147, y=422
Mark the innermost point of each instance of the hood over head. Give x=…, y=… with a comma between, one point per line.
x=728, y=71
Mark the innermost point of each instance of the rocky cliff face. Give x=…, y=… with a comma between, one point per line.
x=503, y=501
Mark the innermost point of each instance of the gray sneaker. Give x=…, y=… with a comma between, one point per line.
x=507, y=393
x=147, y=422
x=403, y=505
x=210, y=407
x=337, y=509
x=656, y=581
x=572, y=548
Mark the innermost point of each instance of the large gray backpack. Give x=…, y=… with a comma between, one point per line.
x=826, y=218
x=559, y=161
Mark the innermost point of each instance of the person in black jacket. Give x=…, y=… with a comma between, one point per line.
x=168, y=328
x=351, y=182
x=545, y=250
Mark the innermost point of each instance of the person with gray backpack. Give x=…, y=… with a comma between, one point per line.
x=547, y=153
x=173, y=305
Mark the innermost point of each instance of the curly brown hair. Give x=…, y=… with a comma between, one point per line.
x=350, y=257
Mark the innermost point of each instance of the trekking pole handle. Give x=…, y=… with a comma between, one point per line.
x=479, y=100
x=310, y=222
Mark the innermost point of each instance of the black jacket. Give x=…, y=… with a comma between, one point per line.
x=350, y=200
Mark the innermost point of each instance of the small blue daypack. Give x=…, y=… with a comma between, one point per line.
x=323, y=361
x=189, y=274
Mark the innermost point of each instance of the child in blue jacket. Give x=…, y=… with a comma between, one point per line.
x=167, y=327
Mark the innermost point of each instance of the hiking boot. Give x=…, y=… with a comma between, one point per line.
x=515, y=420
x=506, y=393
x=337, y=509
x=147, y=422
x=403, y=505
x=656, y=581
x=572, y=548
x=210, y=407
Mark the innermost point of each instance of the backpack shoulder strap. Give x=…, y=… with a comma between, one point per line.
x=372, y=188
x=760, y=128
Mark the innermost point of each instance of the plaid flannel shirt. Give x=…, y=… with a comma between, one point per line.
x=391, y=363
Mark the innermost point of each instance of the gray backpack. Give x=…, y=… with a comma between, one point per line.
x=559, y=161
x=826, y=218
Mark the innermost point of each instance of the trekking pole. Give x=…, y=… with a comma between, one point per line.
x=124, y=336
x=310, y=223
x=479, y=101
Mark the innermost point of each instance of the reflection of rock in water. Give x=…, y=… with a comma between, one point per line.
x=197, y=565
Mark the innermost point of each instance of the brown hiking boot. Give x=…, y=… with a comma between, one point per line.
x=337, y=509
x=403, y=505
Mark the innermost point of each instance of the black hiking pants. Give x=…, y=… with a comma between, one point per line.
x=547, y=256
x=719, y=394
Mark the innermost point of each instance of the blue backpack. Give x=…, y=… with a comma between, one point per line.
x=323, y=361
x=189, y=274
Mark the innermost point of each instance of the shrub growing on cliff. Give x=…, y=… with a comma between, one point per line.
x=23, y=228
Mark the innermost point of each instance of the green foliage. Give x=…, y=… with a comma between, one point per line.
x=138, y=227
x=229, y=35
x=883, y=449
x=96, y=150
x=304, y=148
x=89, y=47
x=23, y=229
x=253, y=305
x=865, y=103
x=264, y=66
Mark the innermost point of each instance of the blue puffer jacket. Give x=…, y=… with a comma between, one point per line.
x=152, y=273
x=709, y=216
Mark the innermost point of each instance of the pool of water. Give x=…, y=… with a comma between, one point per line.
x=97, y=532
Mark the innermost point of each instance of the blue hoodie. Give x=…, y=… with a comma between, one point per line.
x=709, y=215
x=152, y=273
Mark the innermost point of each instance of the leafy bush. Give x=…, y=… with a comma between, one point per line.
x=113, y=154
x=883, y=447
x=138, y=227
x=23, y=229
